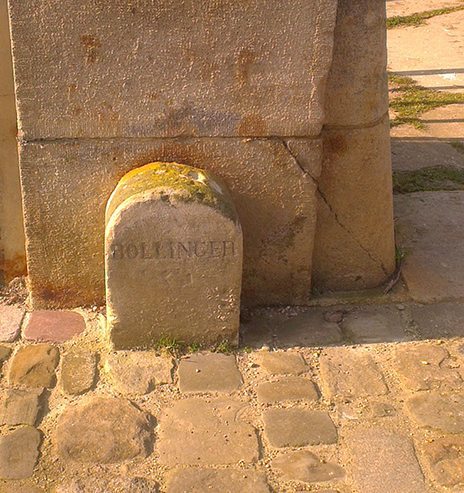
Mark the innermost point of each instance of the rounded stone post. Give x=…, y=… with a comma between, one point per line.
x=173, y=251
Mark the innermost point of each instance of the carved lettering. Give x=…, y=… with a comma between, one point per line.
x=176, y=250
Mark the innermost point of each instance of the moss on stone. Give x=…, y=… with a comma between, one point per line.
x=428, y=179
x=173, y=182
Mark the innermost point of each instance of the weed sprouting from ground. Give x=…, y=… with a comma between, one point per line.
x=428, y=179
x=419, y=18
x=413, y=100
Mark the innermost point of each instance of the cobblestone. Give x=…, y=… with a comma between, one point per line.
x=53, y=326
x=350, y=373
x=425, y=366
x=19, y=451
x=5, y=352
x=282, y=362
x=78, y=371
x=34, y=366
x=20, y=407
x=446, y=459
x=287, y=389
x=103, y=430
x=194, y=432
x=296, y=427
x=440, y=412
x=212, y=372
x=10, y=322
x=305, y=466
x=217, y=481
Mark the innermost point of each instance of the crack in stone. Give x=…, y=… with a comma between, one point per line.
x=331, y=209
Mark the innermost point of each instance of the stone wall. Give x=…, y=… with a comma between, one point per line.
x=12, y=253
x=217, y=85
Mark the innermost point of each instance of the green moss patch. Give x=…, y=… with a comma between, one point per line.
x=428, y=179
x=410, y=100
x=419, y=18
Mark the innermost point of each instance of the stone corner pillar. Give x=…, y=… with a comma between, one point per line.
x=354, y=245
x=173, y=258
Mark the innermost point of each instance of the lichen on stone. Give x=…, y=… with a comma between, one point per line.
x=173, y=182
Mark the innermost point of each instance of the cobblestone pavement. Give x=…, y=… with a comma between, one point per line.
x=376, y=406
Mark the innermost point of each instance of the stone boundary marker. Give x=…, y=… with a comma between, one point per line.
x=173, y=253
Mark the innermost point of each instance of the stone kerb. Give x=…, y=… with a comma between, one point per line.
x=173, y=256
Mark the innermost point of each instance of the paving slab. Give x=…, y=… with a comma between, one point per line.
x=103, y=430
x=439, y=320
x=295, y=427
x=383, y=460
x=19, y=451
x=426, y=366
x=440, y=412
x=108, y=484
x=53, y=326
x=281, y=362
x=195, y=432
x=374, y=324
x=20, y=407
x=415, y=153
x=211, y=372
x=137, y=372
x=11, y=317
x=217, y=481
x=439, y=60
x=431, y=232
x=350, y=373
x=305, y=466
x=34, y=366
x=287, y=389
x=445, y=456
x=78, y=371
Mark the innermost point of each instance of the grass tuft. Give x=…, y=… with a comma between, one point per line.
x=413, y=100
x=428, y=179
x=419, y=18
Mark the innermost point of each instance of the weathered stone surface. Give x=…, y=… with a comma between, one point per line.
x=53, y=326
x=304, y=466
x=195, y=432
x=103, y=430
x=20, y=407
x=282, y=362
x=441, y=412
x=174, y=90
x=11, y=317
x=78, y=371
x=13, y=259
x=19, y=451
x=276, y=270
x=350, y=373
x=382, y=460
x=104, y=485
x=212, y=372
x=175, y=227
x=298, y=427
x=439, y=319
x=357, y=91
x=425, y=367
x=446, y=459
x=287, y=389
x=433, y=268
x=137, y=372
x=374, y=324
x=5, y=352
x=34, y=366
x=354, y=243
x=217, y=481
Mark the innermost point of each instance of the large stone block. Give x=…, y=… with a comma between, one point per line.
x=172, y=67
x=275, y=201
x=354, y=243
x=357, y=92
x=173, y=257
